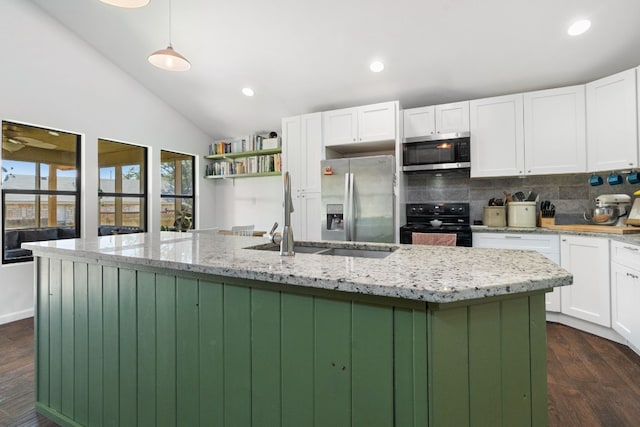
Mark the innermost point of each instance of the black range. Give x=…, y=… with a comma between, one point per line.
x=454, y=217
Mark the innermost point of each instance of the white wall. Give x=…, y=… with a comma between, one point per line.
x=247, y=201
x=52, y=79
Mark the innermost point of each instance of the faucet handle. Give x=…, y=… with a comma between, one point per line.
x=273, y=229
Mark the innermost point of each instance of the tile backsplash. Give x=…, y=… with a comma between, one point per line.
x=570, y=193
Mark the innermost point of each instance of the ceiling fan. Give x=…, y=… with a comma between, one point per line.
x=12, y=143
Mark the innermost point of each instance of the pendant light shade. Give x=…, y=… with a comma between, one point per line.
x=167, y=58
x=170, y=60
x=129, y=4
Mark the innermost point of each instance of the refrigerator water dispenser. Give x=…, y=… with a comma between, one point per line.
x=335, y=217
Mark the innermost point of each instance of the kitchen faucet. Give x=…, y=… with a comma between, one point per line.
x=286, y=243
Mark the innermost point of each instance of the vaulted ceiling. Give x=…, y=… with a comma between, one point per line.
x=303, y=56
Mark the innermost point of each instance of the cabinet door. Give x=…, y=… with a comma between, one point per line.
x=497, y=138
x=547, y=245
x=292, y=150
x=311, y=153
x=588, y=298
x=452, y=117
x=419, y=122
x=625, y=300
x=555, y=131
x=612, y=134
x=377, y=122
x=340, y=127
x=310, y=216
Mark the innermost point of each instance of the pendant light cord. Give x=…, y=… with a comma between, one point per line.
x=170, y=23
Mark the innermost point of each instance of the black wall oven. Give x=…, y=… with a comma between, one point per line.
x=437, y=152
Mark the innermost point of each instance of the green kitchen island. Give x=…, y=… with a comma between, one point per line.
x=197, y=330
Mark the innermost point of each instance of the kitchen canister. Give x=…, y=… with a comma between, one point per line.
x=521, y=214
x=494, y=216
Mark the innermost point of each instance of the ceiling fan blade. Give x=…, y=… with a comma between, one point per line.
x=10, y=147
x=32, y=142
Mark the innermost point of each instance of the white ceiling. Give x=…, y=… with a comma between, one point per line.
x=303, y=56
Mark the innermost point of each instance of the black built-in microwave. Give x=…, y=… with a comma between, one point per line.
x=436, y=152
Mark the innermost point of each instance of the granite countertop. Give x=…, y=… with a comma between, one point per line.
x=426, y=273
x=625, y=238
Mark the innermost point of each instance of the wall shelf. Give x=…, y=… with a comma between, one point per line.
x=244, y=175
x=244, y=154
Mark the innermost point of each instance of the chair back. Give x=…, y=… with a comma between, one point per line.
x=242, y=230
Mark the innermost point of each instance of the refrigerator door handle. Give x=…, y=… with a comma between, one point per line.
x=352, y=209
x=347, y=200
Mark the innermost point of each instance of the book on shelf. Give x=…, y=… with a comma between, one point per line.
x=243, y=144
x=246, y=165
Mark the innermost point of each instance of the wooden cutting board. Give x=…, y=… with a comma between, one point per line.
x=588, y=228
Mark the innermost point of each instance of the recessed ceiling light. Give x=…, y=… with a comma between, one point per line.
x=579, y=27
x=130, y=4
x=247, y=91
x=376, y=66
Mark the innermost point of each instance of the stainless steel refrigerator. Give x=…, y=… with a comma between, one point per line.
x=358, y=199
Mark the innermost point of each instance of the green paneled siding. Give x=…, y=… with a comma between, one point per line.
x=117, y=346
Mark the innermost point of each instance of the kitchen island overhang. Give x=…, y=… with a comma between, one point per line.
x=196, y=330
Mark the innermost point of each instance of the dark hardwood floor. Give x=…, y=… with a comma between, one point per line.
x=592, y=381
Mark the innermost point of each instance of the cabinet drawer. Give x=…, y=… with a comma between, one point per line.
x=625, y=254
x=548, y=244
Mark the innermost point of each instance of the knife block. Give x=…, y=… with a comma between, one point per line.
x=546, y=222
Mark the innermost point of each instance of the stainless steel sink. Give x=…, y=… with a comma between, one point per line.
x=331, y=249
x=362, y=253
x=298, y=247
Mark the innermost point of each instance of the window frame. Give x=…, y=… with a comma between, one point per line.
x=144, y=196
x=175, y=196
x=37, y=193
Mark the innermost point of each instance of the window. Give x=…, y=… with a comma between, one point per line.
x=122, y=191
x=177, y=189
x=40, y=187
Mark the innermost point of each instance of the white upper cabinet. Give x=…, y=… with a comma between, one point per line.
x=377, y=122
x=340, y=126
x=302, y=150
x=445, y=118
x=497, y=136
x=369, y=123
x=419, y=121
x=555, y=131
x=612, y=120
x=452, y=117
x=302, y=154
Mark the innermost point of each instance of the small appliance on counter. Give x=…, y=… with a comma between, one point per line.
x=451, y=218
x=610, y=210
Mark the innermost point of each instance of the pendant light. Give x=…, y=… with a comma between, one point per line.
x=167, y=58
x=129, y=4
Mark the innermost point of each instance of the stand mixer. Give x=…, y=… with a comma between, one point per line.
x=610, y=209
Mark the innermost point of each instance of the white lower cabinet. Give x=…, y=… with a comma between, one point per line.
x=625, y=291
x=306, y=216
x=588, y=298
x=547, y=244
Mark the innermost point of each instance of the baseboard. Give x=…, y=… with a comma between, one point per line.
x=585, y=326
x=18, y=315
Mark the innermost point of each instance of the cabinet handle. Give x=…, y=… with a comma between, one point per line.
x=354, y=140
x=564, y=240
x=520, y=172
x=631, y=248
x=512, y=237
x=529, y=171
